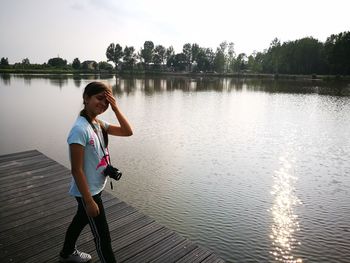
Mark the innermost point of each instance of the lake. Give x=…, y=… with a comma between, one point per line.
x=255, y=170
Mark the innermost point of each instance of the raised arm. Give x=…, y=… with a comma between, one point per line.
x=77, y=163
x=125, y=128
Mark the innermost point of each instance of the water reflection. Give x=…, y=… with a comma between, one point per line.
x=6, y=78
x=334, y=87
x=60, y=80
x=77, y=80
x=154, y=84
x=124, y=86
x=285, y=221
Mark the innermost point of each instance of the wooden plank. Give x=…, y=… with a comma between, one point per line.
x=27, y=166
x=157, y=249
x=135, y=235
x=27, y=169
x=176, y=252
x=32, y=204
x=19, y=155
x=60, y=179
x=213, y=259
x=36, y=189
x=39, y=179
x=34, y=171
x=24, y=161
x=140, y=245
x=25, y=189
x=33, y=207
x=121, y=218
x=22, y=206
x=195, y=256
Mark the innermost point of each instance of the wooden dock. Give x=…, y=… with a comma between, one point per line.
x=36, y=210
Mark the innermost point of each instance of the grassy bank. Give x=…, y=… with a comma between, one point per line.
x=54, y=71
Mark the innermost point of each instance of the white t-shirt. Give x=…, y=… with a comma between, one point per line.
x=94, y=163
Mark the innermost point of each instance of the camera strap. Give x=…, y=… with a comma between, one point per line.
x=98, y=137
x=108, y=160
x=104, y=154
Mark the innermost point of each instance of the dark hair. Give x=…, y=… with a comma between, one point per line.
x=92, y=89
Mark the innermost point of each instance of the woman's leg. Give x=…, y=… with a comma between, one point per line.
x=100, y=230
x=78, y=223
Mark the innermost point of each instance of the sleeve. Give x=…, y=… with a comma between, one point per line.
x=77, y=135
x=104, y=124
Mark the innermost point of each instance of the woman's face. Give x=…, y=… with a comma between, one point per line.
x=96, y=104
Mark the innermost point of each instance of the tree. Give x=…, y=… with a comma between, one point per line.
x=219, y=61
x=89, y=65
x=337, y=48
x=194, y=52
x=103, y=65
x=57, y=62
x=4, y=62
x=169, y=56
x=159, y=53
x=255, y=61
x=274, y=49
x=240, y=63
x=210, y=55
x=180, y=62
x=221, y=58
x=114, y=53
x=157, y=60
x=203, y=63
x=147, y=52
x=223, y=47
x=302, y=56
x=230, y=55
x=25, y=62
x=129, y=57
x=76, y=63
x=187, y=51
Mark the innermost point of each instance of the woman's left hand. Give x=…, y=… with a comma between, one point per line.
x=124, y=129
x=110, y=98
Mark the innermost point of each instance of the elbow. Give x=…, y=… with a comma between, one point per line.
x=130, y=133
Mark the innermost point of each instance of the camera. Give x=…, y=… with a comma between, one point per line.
x=112, y=172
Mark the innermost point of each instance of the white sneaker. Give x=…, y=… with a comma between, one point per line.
x=76, y=257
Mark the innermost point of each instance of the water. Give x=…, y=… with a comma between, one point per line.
x=257, y=171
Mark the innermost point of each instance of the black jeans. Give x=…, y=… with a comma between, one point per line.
x=99, y=229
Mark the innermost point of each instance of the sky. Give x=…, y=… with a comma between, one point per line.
x=43, y=29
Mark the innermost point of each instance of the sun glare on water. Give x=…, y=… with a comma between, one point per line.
x=285, y=221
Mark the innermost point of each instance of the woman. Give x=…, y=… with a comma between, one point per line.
x=88, y=161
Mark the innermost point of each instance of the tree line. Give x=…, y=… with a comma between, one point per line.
x=303, y=56
x=58, y=63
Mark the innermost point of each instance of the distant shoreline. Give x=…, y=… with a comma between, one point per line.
x=312, y=77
